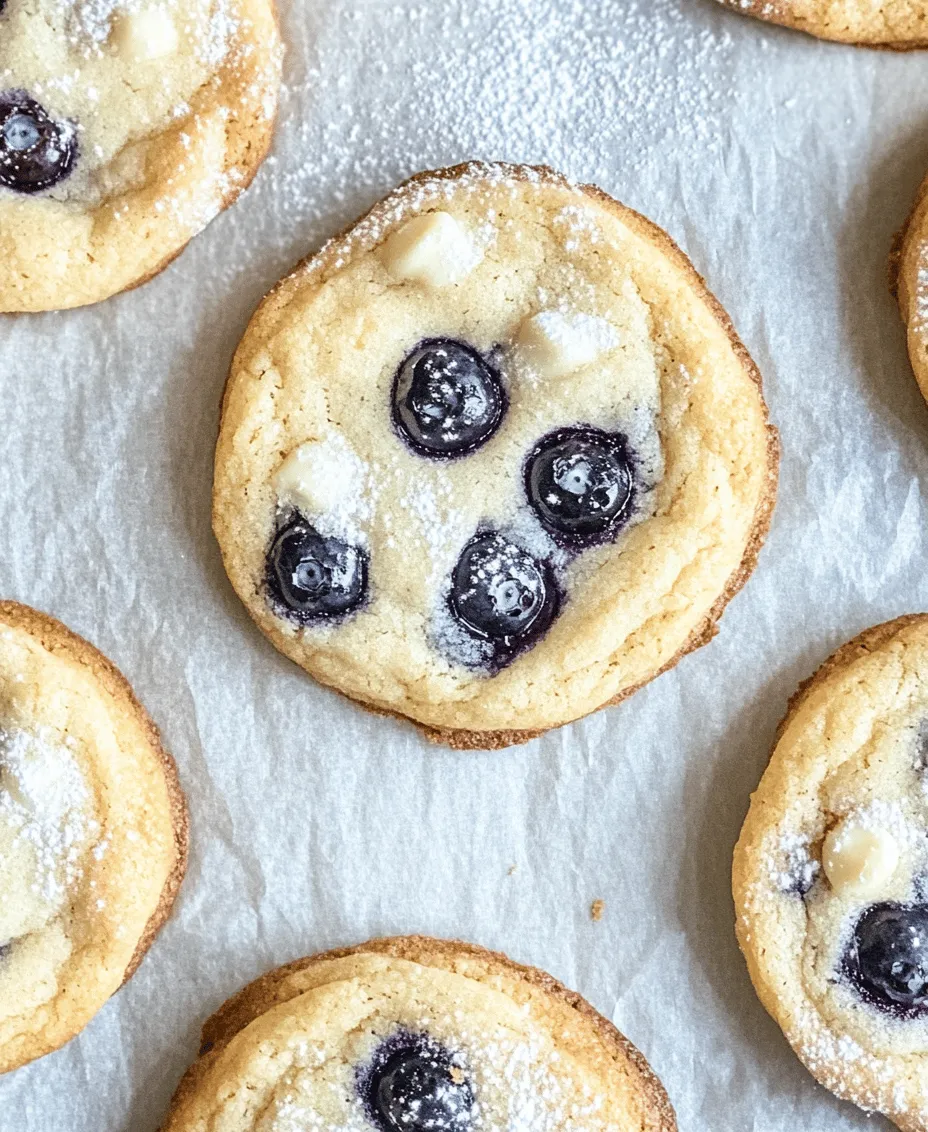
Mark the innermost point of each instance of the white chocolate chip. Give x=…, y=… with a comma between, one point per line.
x=859, y=860
x=433, y=249
x=146, y=34
x=325, y=479
x=555, y=343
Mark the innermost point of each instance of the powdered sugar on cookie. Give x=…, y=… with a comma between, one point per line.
x=47, y=826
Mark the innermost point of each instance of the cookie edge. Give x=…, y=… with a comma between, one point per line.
x=903, y=259
x=56, y=637
x=786, y=21
x=256, y=149
x=866, y=642
x=256, y=998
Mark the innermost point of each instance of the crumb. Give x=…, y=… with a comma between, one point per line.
x=596, y=909
x=511, y=870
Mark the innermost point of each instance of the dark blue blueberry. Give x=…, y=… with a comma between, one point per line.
x=415, y=1085
x=447, y=399
x=886, y=959
x=36, y=152
x=580, y=483
x=314, y=577
x=502, y=594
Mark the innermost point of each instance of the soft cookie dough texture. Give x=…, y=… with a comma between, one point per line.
x=170, y=104
x=287, y=1052
x=93, y=834
x=898, y=24
x=837, y=826
x=594, y=317
x=909, y=273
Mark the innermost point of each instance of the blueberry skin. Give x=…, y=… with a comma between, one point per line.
x=414, y=1085
x=36, y=152
x=886, y=959
x=447, y=399
x=580, y=483
x=312, y=577
x=502, y=594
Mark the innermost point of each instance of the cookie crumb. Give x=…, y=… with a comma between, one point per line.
x=511, y=871
x=596, y=910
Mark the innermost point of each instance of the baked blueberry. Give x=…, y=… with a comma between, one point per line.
x=36, y=152
x=312, y=576
x=502, y=594
x=415, y=1085
x=580, y=483
x=447, y=399
x=887, y=957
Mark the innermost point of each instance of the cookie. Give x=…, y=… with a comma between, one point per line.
x=125, y=127
x=493, y=458
x=901, y=25
x=831, y=874
x=415, y=1034
x=93, y=834
x=909, y=283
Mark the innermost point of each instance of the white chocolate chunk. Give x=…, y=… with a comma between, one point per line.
x=147, y=34
x=859, y=860
x=326, y=480
x=555, y=343
x=433, y=249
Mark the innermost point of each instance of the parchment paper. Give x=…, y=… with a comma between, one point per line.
x=784, y=167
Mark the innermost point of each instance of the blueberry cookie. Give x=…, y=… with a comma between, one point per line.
x=831, y=874
x=493, y=458
x=909, y=277
x=898, y=24
x=93, y=834
x=414, y=1035
x=125, y=127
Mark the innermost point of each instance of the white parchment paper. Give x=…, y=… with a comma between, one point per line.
x=783, y=166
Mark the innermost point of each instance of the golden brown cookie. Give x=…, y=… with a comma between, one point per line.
x=93, y=833
x=909, y=280
x=414, y=1033
x=125, y=127
x=493, y=458
x=901, y=25
x=831, y=874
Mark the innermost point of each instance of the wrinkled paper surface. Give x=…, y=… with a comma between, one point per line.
x=783, y=166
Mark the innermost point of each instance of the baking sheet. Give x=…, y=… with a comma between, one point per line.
x=783, y=166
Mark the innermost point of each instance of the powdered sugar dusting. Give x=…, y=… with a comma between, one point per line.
x=792, y=867
x=870, y=1080
x=520, y=1085
x=519, y=79
x=920, y=319
x=881, y=816
x=44, y=802
x=331, y=485
x=90, y=24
